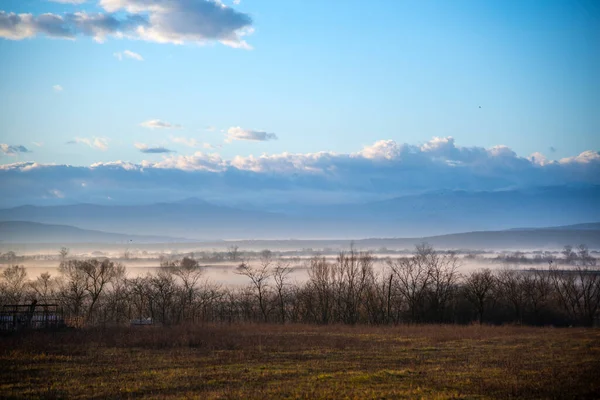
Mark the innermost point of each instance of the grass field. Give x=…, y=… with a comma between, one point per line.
x=267, y=361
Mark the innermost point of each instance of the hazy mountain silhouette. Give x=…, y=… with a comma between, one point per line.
x=591, y=226
x=180, y=219
x=422, y=215
x=34, y=232
x=522, y=238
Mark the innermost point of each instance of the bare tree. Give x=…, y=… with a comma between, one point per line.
x=584, y=256
x=63, y=253
x=189, y=272
x=259, y=280
x=73, y=287
x=412, y=277
x=478, y=289
x=266, y=257
x=87, y=279
x=570, y=255
x=379, y=297
x=98, y=274
x=512, y=288
x=280, y=276
x=578, y=291
x=117, y=303
x=139, y=296
x=210, y=297
x=353, y=270
x=162, y=295
x=443, y=271
x=319, y=289
x=233, y=252
x=44, y=287
x=13, y=282
x=537, y=287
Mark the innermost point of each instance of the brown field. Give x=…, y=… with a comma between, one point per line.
x=269, y=361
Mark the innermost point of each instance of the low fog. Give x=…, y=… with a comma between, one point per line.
x=220, y=261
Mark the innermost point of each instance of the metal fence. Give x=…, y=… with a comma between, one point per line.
x=15, y=317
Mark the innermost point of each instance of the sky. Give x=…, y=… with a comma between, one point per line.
x=353, y=100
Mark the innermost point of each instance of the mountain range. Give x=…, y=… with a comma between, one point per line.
x=35, y=232
x=429, y=214
x=20, y=232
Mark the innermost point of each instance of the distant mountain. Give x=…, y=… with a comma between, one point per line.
x=539, y=238
x=198, y=220
x=521, y=239
x=452, y=211
x=528, y=239
x=193, y=201
x=591, y=226
x=428, y=214
x=33, y=232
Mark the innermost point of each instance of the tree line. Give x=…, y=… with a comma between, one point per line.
x=425, y=287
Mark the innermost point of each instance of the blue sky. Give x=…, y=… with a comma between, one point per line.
x=310, y=76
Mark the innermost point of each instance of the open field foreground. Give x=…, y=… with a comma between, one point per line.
x=268, y=361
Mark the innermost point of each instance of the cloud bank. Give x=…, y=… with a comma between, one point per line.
x=382, y=170
x=160, y=21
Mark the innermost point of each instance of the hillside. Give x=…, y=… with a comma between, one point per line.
x=523, y=238
x=423, y=215
x=33, y=232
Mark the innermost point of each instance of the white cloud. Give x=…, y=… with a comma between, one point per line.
x=438, y=144
x=117, y=165
x=99, y=143
x=13, y=150
x=38, y=144
x=236, y=2
x=162, y=21
x=128, y=54
x=237, y=133
x=284, y=163
x=158, y=124
x=586, y=157
x=67, y=26
x=57, y=88
x=382, y=149
x=538, y=158
x=180, y=21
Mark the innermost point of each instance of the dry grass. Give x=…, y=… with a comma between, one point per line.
x=267, y=361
